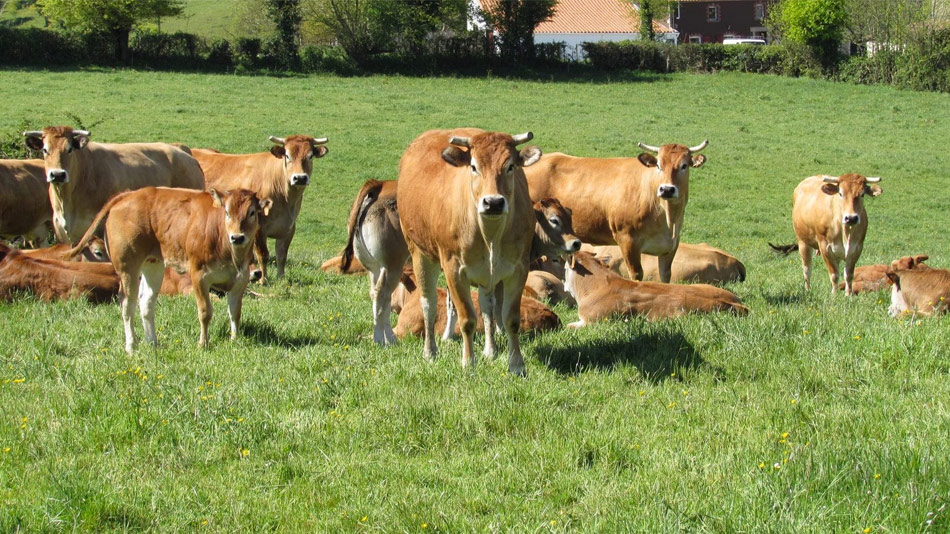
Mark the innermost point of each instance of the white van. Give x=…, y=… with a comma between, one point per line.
x=743, y=40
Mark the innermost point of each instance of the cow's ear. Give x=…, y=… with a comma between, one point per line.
x=80, y=141
x=530, y=155
x=873, y=190
x=216, y=198
x=456, y=156
x=892, y=278
x=265, y=204
x=278, y=151
x=648, y=160
x=830, y=189
x=319, y=151
x=920, y=258
x=698, y=160
x=34, y=143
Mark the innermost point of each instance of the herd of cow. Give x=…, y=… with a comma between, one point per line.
x=155, y=218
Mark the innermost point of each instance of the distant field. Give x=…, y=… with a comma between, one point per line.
x=813, y=414
x=211, y=19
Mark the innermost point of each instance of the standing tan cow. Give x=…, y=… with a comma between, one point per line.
x=209, y=234
x=282, y=175
x=464, y=205
x=828, y=215
x=636, y=203
x=24, y=202
x=83, y=175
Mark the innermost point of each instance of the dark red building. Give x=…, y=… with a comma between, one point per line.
x=711, y=21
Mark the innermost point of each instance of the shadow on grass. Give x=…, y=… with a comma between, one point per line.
x=265, y=334
x=656, y=354
x=782, y=299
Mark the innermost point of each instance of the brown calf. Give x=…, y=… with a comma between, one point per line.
x=95, y=252
x=52, y=280
x=874, y=277
x=601, y=293
x=923, y=291
x=693, y=263
x=209, y=234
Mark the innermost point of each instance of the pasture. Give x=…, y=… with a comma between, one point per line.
x=815, y=413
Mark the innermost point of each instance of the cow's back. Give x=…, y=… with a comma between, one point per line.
x=129, y=166
x=24, y=196
x=814, y=212
x=238, y=171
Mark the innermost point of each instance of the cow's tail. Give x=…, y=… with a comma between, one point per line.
x=94, y=229
x=784, y=250
x=364, y=199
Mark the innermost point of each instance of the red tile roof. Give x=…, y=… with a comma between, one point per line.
x=592, y=16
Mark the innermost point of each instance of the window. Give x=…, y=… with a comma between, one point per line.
x=696, y=39
x=677, y=11
x=758, y=11
x=712, y=13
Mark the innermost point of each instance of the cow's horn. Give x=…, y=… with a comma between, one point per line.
x=872, y=179
x=81, y=132
x=33, y=133
x=699, y=147
x=522, y=138
x=320, y=141
x=648, y=148
x=830, y=179
x=276, y=140
x=460, y=141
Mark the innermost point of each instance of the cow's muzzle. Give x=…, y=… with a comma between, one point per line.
x=300, y=179
x=851, y=219
x=572, y=245
x=667, y=191
x=57, y=176
x=493, y=205
x=238, y=239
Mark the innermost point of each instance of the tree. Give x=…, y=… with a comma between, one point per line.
x=818, y=24
x=287, y=17
x=114, y=17
x=516, y=21
x=646, y=21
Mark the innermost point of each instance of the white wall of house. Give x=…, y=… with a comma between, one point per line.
x=574, y=49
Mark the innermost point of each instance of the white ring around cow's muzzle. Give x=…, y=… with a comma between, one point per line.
x=57, y=176
x=667, y=191
x=492, y=205
x=850, y=219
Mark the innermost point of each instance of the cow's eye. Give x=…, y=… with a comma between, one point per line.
x=474, y=170
x=511, y=167
x=554, y=222
x=45, y=151
x=683, y=167
x=310, y=155
x=251, y=214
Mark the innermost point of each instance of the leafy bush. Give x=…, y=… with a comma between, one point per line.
x=220, y=54
x=248, y=52
x=326, y=59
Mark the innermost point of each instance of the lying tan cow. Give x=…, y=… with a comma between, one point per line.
x=874, y=277
x=24, y=202
x=334, y=265
x=464, y=208
x=282, y=175
x=635, y=203
x=828, y=215
x=693, y=263
x=209, y=234
x=601, y=293
x=95, y=252
x=54, y=280
x=535, y=316
x=548, y=288
x=83, y=175
x=921, y=291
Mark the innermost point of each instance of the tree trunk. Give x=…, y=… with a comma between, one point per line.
x=122, y=52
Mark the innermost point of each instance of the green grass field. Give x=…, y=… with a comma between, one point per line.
x=813, y=414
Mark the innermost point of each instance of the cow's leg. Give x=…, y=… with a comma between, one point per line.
x=261, y=255
x=382, y=292
x=201, y=288
x=486, y=303
x=427, y=274
x=375, y=275
x=283, y=245
x=459, y=290
x=451, y=319
x=152, y=274
x=832, y=266
x=630, y=249
x=235, y=301
x=849, y=264
x=664, y=265
x=806, y=253
x=513, y=286
x=129, y=280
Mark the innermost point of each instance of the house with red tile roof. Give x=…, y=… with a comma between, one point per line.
x=579, y=21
